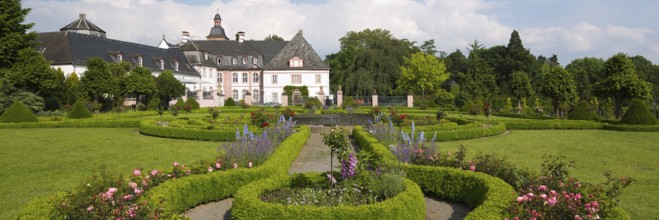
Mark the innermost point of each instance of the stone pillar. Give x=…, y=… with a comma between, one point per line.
x=248, y=98
x=200, y=95
x=220, y=101
x=410, y=100
x=284, y=99
x=339, y=97
x=215, y=97
x=374, y=98
x=321, y=96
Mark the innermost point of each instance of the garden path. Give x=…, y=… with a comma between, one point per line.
x=314, y=157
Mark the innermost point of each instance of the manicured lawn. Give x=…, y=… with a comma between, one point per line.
x=634, y=154
x=39, y=162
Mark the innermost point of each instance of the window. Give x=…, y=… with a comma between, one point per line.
x=176, y=65
x=295, y=62
x=317, y=78
x=275, y=97
x=139, y=61
x=274, y=79
x=255, y=94
x=161, y=62
x=255, y=77
x=119, y=57
x=244, y=77
x=219, y=60
x=255, y=60
x=234, y=61
x=219, y=77
x=205, y=56
x=297, y=79
x=235, y=94
x=235, y=77
x=245, y=93
x=244, y=60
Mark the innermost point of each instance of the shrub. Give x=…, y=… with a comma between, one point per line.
x=313, y=102
x=18, y=112
x=230, y=102
x=581, y=112
x=78, y=110
x=180, y=104
x=349, y=102
x=122, y=123
x=243, y=104
x=192, y=102
x=638, y=113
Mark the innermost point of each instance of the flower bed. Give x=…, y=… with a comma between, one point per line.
x=247, y=203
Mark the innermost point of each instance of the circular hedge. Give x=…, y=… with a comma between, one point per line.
x=247, y=203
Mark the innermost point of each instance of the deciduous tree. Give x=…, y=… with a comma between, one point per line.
x=521, y=88
x=558, y=85
x=621, y=82
x=168, y=87
x=140, y=82
x=32, y=72
x=422, y=73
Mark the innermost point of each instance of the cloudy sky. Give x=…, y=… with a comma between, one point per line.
x=569, y=28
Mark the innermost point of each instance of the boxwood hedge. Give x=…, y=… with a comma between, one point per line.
x=552, y=124
x=149, y=127
x=83, y=123
x=247, y=203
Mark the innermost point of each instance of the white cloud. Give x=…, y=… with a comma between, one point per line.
x=453, y=24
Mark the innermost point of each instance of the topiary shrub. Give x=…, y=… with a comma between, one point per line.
x=18, y=112
x=180, y=104
x=230, y=102
x=581, y=112
x=78, y=110
x=192, y=102
x=638, y=114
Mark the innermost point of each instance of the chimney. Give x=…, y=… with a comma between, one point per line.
x=83, y=16
x=185, y=36
x=240, y=36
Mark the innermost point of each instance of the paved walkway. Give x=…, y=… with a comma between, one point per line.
x=315, y=157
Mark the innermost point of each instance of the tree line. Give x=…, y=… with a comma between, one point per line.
x=505, y=77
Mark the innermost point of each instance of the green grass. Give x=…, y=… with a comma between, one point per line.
x=633, y=154
x=39, y=162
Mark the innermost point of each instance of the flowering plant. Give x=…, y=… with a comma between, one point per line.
x=261, y=119
x=487, y=110
x=398, y=119
x=288, y=113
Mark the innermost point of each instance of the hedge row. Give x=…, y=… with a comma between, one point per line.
x=247, y=203
x=76, y=123
x=552, y=124
x=487, y=195
x=635, y=128
x=177, y=195
x=149, y=127
x=463, y=132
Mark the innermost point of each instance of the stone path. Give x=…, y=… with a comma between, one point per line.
x=315, y=157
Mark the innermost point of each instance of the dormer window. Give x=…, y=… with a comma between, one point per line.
x=234, y=61
x=119, y=57
x=139, y=61
x=255, y=60
x=244, y=60
x=161, y=62
x=219, y=61
x=205, y=56
x=176, y=65
x=295, y=62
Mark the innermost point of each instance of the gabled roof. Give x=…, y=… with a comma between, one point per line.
x=76, y=49
x=297, y=47
x=228, y=48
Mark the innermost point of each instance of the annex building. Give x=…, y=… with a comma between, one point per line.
x=212, y=70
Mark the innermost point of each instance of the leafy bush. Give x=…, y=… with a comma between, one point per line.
x=78, y=110
x=18, y=112
x=192, y=102
x=638, y=114
x=243, y=104
x=313, y=102
x=582, y=112
x=349, y=102
x=230, y=102
x=180, y=104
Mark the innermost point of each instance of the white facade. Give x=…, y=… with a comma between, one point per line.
x=275, y=81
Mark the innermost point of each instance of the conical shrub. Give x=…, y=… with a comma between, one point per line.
x=638, y=114
x=18, y=112
x=581, y=112
x=78, y=110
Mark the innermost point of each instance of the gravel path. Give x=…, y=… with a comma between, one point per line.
x=314, y=157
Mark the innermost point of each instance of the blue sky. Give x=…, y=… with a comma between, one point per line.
x=570, y=29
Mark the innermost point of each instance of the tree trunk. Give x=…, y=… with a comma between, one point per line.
x=519, y=106
x=618, y=104
x=556, y=109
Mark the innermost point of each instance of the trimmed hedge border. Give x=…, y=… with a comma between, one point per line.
x=148, y=127
x=487, y=195
x=76, y=123
x=552, y=124
x=464, y=132
x=632, y=128
x=247, y=203
x=175, y=196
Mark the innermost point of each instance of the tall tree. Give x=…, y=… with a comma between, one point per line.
x=428, y=47
x=621, y=82
x=97, y=80
x=456, y=62
x=119, y=72
x=559, y=86
x=368, y=56
x=521, y=87
x=140, y=82
x=649, y=72
x=422, y=73
x=586, y=72
x=13, y=32
x=273, y=37
x=519, y=58
x=32, y=72
x=73, y=90
x=168, y=87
